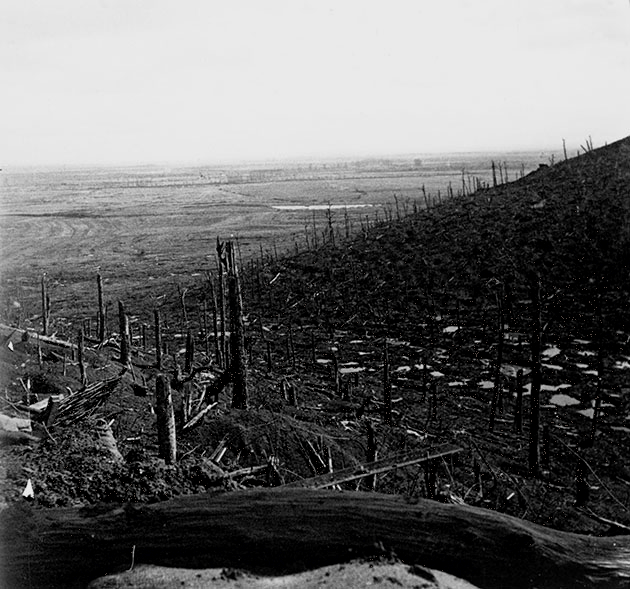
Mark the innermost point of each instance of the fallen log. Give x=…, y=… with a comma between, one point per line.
x=291, y=530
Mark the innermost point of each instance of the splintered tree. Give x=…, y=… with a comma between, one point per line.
x=237, y=366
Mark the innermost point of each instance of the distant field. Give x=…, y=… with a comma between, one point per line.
x=150, y=229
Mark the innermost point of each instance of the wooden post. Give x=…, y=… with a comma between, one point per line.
x=101, y=308
x=165, y=420
x=536, y=377
x=80, y=352
x=387, y=387
x=238, y=362
x=158, y=339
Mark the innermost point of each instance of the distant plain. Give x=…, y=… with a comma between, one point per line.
x=150, y=229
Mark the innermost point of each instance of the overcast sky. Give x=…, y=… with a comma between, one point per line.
x=136, y=81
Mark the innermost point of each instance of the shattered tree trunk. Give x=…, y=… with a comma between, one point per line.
x=290, y=530
x=238, y=366
x=167, y=442
x=101, y=309
x=123, y=325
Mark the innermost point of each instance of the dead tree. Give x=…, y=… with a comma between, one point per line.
x=238, y=360
x=123, y=323
x=101, y=308
x=167, y=442
x=45, y=306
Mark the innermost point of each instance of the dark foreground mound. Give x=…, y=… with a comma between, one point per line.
x=287, y=530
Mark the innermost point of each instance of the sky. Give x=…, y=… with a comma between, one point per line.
x=202, y=81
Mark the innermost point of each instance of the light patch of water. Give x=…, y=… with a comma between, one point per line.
x=403, y=369
x=364, y=353
x=586, y=353
x=356, y=341
x=563, y=400
x=323, y=361
x=552, y=366
x=456, y=383
x=622, y=365
x=422, y=366
x=592, y=372
x=586, y=412
x=621, y=428
x=349, y=364
x=320, y=207
x=581, y=365
x=351, y=369
x=551, y=352
x=582, y=342
x=554, y=388
x=485, y=384
x=437, y=374
x=450, y=329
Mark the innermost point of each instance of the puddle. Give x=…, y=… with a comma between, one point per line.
x=551, y=352
x=319, y=207
x=552, y=366
x=554, y=388
x=351, y=369
x=563, y=400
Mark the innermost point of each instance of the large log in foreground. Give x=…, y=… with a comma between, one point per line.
x=289, y=530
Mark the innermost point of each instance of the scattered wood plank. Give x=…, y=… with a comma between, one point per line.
x=367, y=469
